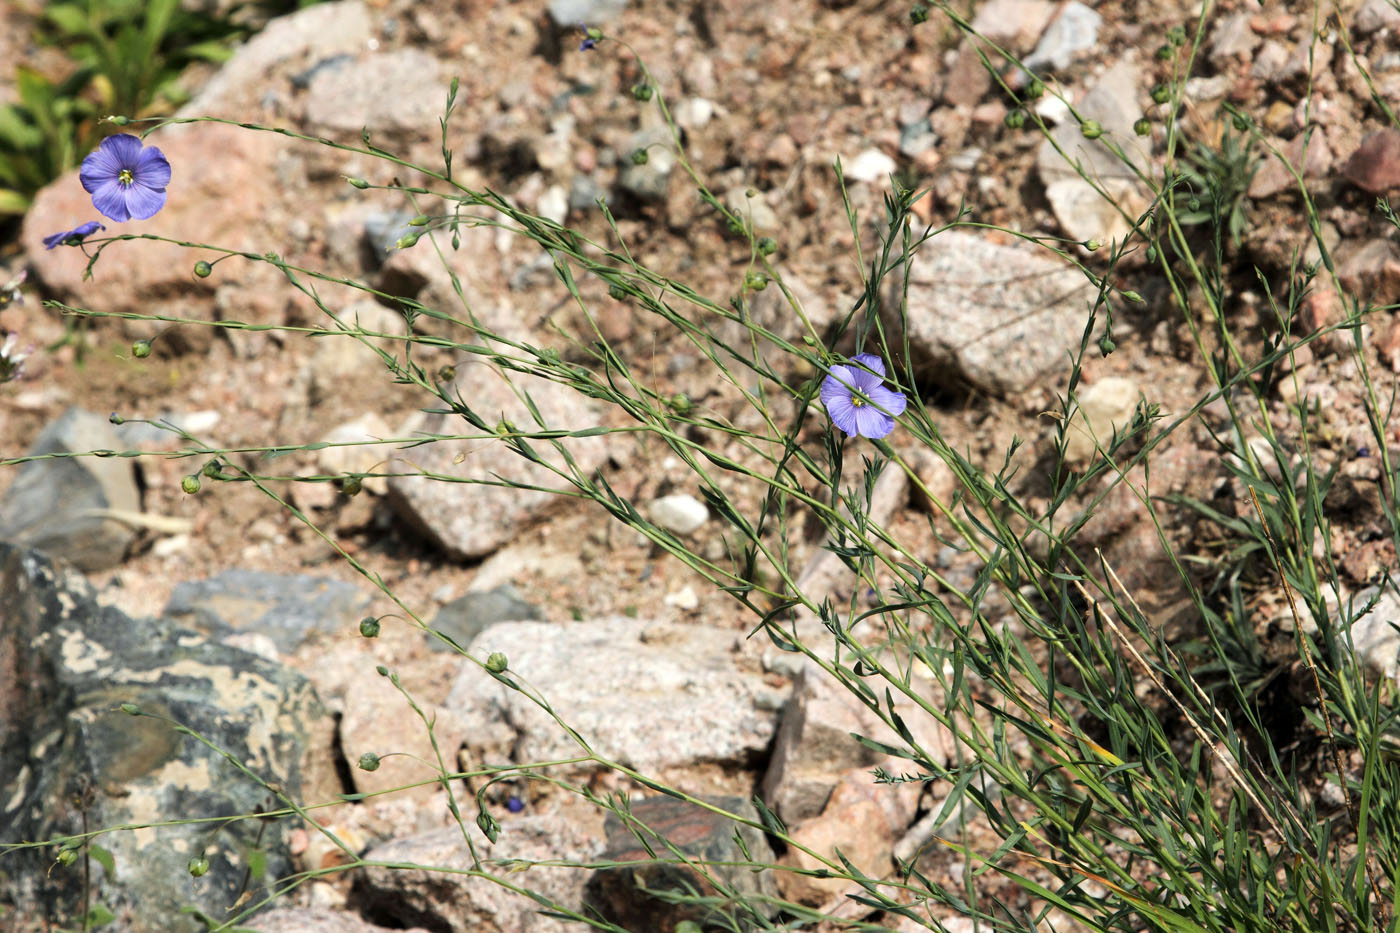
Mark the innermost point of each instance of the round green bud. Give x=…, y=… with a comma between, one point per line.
x=1194, y=203
x=141, y=349
x=119, y=121
x=1091, y=129
x=642, y=91
x=1161, y=93
x=131, y=709
x=1014, y=119
x=735, y=226
x=1241, y=122
x=351, y=485
x=369, y=761
x=406, y=241
x=1151, y=254
x=1164, y=53
x=1035, y=89
x=1132, y=296
x=755, y=281
x=212, y=469
x=919, y=14
x=681, y=404
x=617, y=292
x=190, y=484
x=198, y=866
x=67, y=856
x=422, y=220
x=1106, y=345
x=504, y=428
x=1177, y=35
x=767, y=246
x=357, y=182
x=369, y=627
x=1143, y=127
x=381, y=670
x=1092, y=245
x=497, y=662
x=202, y=269
x=639, y=157
x=446, y=373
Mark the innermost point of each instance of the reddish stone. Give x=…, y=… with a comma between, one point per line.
x=1375, y=165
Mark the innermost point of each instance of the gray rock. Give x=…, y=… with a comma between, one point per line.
x=1104, y=407
x=315, y=920
x=473, y=518
x=1015, y=22
x=588, y=12
x=623, y=895
x=870, y=166
x=650, y=180
x=71, y=761
x=455, y=900
x=287, y=609
x=1231, y=39
x=298, y=40
x=1074, y=30
x=1375, y=15
x=395, y=91
x=469, y=615
x=1375, y=635
x=81, y=509
x=1082, y=212
x=383, y=229
x=653, y=695
x=1001, y=316
x=917, y=138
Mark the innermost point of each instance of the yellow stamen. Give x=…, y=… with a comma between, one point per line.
x=125, y=179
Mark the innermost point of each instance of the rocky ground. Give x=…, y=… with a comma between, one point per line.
x=766, y=101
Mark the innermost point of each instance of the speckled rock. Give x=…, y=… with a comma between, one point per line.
x=993, y=312
x=287, y=608
x=654, y=695
x=70, y=760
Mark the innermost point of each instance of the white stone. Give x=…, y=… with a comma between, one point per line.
x=679, y=513
x=870, y=166
x=683, y=599
x=1104, y=407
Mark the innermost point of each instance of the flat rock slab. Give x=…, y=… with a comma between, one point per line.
x=285, y=608
x=653, y=695
x=471, y=515
x=994, y=312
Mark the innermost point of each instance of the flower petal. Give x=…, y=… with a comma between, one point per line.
x=888, y=400
x=872, y=423
x=152, y=168
x=110, y=200
x=143, y=201
x=123, y=148
x=843, y=413
x=871, y=362
x=837, y=384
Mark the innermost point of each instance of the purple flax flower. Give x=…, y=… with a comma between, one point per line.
x=73, y=237
x=857, y=400
x=125, y=180
x=590, y=41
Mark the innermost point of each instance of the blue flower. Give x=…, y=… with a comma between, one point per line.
x=857, y=400
x=590, y=38
x=126, y=181
x=73, y=237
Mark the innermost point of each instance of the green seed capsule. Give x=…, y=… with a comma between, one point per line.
x=1035, y=89
x=1151, y=254
x=1161, y=93
x=212, y=469
x=617, y=292
x=141, y=349
x=67, y=856
x=131, y=709
x=497, y=662
x=1091, y=129
x=406, y=241
x=198, y=866
x=369, y=761
x=642, y=91
x=1143, y=127
x=369, y=627
x=1241, y=122
x=767, y=246
x=918, y=15
x=1014, y=119
x=202, y=269
x=1106, y=345
x=190, y=484
x=639, y=157
x=755, y=281
x=351, y=486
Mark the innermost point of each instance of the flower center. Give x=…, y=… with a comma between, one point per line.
x=125, y=178
x=857, y=401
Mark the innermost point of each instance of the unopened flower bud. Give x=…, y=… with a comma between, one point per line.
x=141, y=349
x=446, y=373
x=119, y=120
x=642, y=91
x=1092, y=245
x=381, y=670
x=198, y=866
x=1143, y=127
x=369, y=627
x=212, y=469
x=67, y=856
x=1091, y=129
x=115, y=418
x=497, y=662
x=681, y=404
x=504, y=428
x=190, y=484
x=1106, y=345
x=131, y=709
x=1133, y=296
x=1241, y=122
x=617, y=292
x=407, y=240
x=755, y=281
x=767, y=246
x=202, y=269
x=422, y=220
x=369, y=761
x=1151, y=254
x=357, y=182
